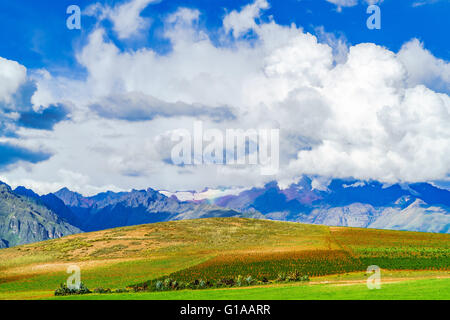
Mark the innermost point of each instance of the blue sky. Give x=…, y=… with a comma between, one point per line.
x=36, y=33
x=349, y=102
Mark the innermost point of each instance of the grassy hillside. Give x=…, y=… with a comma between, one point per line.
x=213, y=248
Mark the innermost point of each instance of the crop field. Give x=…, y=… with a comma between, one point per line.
x=214, y=249
x=394, y=250
x=269, y=265
x=358, y=250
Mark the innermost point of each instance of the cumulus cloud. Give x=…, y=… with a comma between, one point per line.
x=125, y=17
x=12, y=76
x=424, y=68
x=18, y=109
x=381, y=128
x=358, y=111
x=17, y=112
x=240, y=22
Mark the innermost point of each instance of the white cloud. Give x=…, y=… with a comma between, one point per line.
x=380, y=128
x=126, y=17
x=424, y=2
x=351, y=3
x=344, y=3
x=424, y=68
x=12, y=76
x=183, y=16
x=372, y=115
x=243, y=21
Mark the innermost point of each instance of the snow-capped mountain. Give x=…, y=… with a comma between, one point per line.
x=414, y=207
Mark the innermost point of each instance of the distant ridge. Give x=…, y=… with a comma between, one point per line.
x=110, y=209
x=416, y=207
x=350, y=203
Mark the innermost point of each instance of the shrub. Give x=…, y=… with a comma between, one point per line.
x=63, y=290
x=122, y=290
x=293, y=276
x=225, y=282
x=167, y=283
x=102, y=290
x=140, y=287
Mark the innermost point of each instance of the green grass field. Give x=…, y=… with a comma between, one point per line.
x=224, y=248
x=425, y=289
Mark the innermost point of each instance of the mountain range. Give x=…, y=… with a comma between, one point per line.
x=414, y=207
x=27, y=217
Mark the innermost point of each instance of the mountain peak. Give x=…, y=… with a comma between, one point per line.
x=69, y=197
x=64, y=190
x=5, y=187
x=26, y=192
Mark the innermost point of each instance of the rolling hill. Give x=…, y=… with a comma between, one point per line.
x=26, y=217
x=121, y=257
